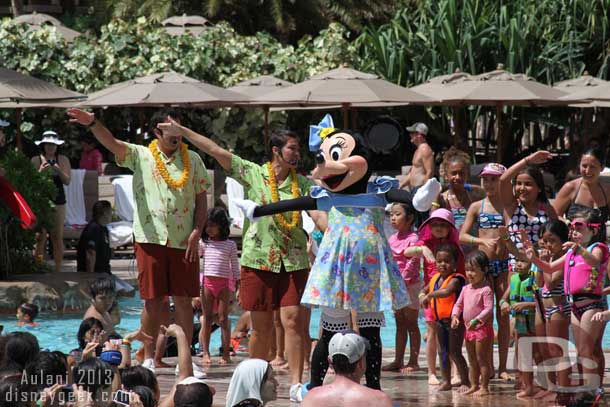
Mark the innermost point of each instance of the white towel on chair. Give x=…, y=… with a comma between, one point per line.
x=76, y=214
x=123, y=197
x=235, y=191
x=120, y=233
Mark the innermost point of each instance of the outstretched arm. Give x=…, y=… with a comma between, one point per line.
x=304, y=203
x=203, y=143
x=101, y=133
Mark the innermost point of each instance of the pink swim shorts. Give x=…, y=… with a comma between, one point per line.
x=482, y=333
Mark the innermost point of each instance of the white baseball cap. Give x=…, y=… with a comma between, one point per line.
x=4, y=123
x=349, y=344
x=418, y=128
x=50, y=136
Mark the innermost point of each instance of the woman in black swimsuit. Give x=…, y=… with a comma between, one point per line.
x=59, y=166
x=586, y=192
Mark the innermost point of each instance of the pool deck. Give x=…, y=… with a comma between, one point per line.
x=411, y=390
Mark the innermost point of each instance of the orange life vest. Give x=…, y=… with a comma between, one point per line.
x=442, y=307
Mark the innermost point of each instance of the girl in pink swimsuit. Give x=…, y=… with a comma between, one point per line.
x=474, y=308
x=583, y=265
x=220, y=272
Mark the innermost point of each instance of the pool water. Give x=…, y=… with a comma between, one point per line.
x=58, y=332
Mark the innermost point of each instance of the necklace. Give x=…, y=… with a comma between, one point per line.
x=275, y=196
x=154, y=149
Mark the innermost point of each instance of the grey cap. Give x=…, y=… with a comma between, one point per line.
x=418, y=128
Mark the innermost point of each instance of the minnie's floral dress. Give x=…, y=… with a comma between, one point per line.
x=354, y=268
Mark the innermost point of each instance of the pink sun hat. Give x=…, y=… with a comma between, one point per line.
x=493, y=169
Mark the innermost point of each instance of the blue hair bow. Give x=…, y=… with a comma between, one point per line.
x=318, y=133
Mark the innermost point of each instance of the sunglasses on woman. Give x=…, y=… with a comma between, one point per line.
x=578, y=224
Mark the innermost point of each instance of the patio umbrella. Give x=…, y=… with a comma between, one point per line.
x=164, y=89
x=581, y=83
x=346, y=87
x=260, y=86
x=178, y=25
x=36, y=21
x=499, y=88
x=18, y=90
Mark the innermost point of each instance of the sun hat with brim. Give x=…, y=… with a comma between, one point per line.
x=50, y=137
x=493, y=169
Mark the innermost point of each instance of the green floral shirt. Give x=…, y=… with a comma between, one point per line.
x=265, y=244
x=163, y=215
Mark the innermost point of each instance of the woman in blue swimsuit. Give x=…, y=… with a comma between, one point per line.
x=487, y=216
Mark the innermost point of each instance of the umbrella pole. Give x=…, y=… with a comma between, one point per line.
x=500, y=135
x=266, y=134
x=18, y=112
x=345, y=109
x=354, y=117
x=141, y=118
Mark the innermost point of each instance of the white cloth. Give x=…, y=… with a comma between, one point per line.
x=76, y=214
x=123, y=197
x=120, y=233
x=235, y=191
x=246, y=381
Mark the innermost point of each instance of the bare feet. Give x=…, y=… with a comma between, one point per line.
x=278, y=361
x=206, y=359
x=462, y=388
x=140, y=355
x=392, y=367
x=285, y=366
x=433, y=380
x=456, y=381
x=159, y=364
x=224, y=361
x=481, y=393
x=407, y=370
x=465, y=390
x=527, y=393
x=542, y=394
x=445, y=386
x=506, y=377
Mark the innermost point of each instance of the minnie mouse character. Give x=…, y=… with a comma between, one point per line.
x=354, y=268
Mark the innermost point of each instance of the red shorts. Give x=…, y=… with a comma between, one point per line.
x=262, y=290
x=163, y=271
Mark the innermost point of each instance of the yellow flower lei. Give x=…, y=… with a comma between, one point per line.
x=154, y=149
x=275, y=196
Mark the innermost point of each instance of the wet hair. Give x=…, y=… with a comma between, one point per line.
x=46, y=369
x=100, y=208
x=597, y=153
x=29, y=309
x=220, y=217
x=147, y=396
x=536, y=175
x=455, y=155
x=132, y=377
x=85, y=326
x=558, y=228
x=342, y=366
x=102, y=285
x=278, y=139
x=19, y=349
x=593, y=216
x=14, y=393
x=93, y=374
x=479, y=259
x=193, y=395
x=160, y=116
x=448, y=248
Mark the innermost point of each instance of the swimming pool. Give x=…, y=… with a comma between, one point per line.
x=58, y=332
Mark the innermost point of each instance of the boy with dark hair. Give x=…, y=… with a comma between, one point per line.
x=102, y=292
x=26, y=313
x=93, y=250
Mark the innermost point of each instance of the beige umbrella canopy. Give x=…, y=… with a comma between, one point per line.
x=18, y=91
x=36, y=21
x=178, y=25
x=581, y=83
x=164, y=89
x=344, y=86
x=438, y=84
x=260, y=86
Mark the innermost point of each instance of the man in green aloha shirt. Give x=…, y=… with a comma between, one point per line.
x=274, y=262
x=169, y=188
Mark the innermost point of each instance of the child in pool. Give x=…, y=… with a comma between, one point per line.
x=26, y=313
x=103, y=293
x=440, y=296
x=475, y=308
